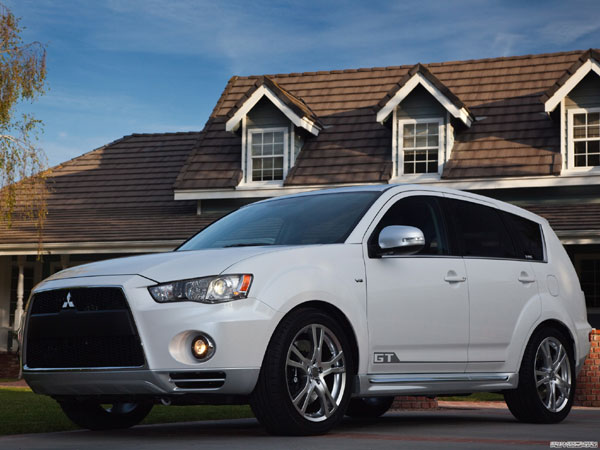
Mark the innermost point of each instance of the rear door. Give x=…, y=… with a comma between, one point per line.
x=417, y=305
x=502, y=282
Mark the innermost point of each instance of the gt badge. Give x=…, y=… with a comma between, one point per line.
x=385, y=358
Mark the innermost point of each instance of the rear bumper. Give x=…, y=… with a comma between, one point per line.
x=139, y=382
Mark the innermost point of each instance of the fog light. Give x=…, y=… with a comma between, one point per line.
x=202, y=347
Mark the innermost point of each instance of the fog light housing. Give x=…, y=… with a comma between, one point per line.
x=203, y=347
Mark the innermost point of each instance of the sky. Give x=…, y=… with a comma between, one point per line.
x=117, y=67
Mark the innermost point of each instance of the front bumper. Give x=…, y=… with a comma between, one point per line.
x=240, y=329
x=133, y=382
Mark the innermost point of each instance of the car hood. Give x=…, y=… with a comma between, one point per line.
x=162, y=267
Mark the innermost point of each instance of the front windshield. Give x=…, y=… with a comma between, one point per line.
x=303, y=220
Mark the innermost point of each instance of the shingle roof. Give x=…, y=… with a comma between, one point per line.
x=122, y=191
x=512, y=136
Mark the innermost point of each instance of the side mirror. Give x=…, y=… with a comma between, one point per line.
x=400, y=240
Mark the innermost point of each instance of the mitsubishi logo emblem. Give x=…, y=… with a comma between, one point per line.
x=68, y=302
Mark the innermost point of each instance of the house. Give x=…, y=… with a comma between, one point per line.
x=522, y=129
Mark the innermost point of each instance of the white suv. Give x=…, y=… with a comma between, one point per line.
x=317, y=305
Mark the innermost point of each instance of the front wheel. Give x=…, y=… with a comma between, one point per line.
x=97, y=416
x=304, y=382
x=546, y=379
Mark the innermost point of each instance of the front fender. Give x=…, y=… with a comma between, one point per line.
x=334, y=274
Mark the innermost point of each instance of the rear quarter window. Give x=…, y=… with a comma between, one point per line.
x=527, y=236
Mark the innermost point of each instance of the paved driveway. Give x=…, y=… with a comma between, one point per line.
x=447, y=428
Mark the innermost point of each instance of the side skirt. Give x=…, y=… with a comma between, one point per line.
x=433, y=384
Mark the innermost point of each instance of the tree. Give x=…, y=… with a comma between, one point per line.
x=22, y=177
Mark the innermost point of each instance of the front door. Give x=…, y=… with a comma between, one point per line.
x=417, y=305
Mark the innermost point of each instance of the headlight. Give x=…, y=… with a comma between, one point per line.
x=216, y=289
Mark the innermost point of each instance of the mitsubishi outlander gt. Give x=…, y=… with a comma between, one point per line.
x=318, y=305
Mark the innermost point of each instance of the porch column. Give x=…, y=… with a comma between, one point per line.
x=20, y=292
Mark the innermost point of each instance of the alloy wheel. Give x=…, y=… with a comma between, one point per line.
x=315, y=372
x=553, y=374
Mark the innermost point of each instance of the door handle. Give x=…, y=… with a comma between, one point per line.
x=452, y=277
x=525, y=278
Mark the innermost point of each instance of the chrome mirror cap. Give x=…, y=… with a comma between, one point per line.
x=401, y=240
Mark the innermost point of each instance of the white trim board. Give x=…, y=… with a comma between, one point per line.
x=419, y=79
x=73, y=248
x=587, y=67
x=568, y=179
x=263, y=91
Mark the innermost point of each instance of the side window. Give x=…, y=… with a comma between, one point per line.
x=527, y=235
x=480, y=230
x=422, y=212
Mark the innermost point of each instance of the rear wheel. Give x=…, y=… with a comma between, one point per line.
x=97, y=416
x=304, y=383
x=369, y=407
x=546, y=379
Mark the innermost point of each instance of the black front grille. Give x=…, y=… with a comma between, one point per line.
x=84, y=299
x=82, y=327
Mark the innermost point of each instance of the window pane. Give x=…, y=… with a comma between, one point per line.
x=432, y=128
x=594, y=160
x=421, y=141
x=579, y=147
x=278, y=149
x=268, y=138
x=409, y=130
x=580, y=161
x=421, y=156
x=408, y=142
x=409, y=156
x=421, y=129
x=409, y=168
x=278, y=174
x=593, y=118
x=579, y=119
x=481, y=230
x=578, y=132
x=421, y=167
x=432, y=167
x=432, y=140
x=423, y=213
x=267, y=163
x=256, y=163
x=278, y=163
x=593, y=131
x=256, y=150
x=256, y=138
x=278, y=137
x=593, y=147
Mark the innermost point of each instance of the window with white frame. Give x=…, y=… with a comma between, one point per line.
x=420, y=146
x=584, y=144
x=267, y=155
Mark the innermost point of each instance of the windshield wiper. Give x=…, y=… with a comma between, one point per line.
x=248, y=244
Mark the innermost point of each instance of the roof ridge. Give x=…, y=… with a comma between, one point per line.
x=408, y=66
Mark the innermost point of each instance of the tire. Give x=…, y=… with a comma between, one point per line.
x=369, y=407
x=551, y=401
x=94, y=416
x=294, y=369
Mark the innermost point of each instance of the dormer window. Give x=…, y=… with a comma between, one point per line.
x=420, y=145
x=268, y=154
x=585, y=143
x=424, y=112
x=273, y=124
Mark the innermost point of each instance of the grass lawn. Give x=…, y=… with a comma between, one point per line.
x=22, y=411
x=477, y=397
